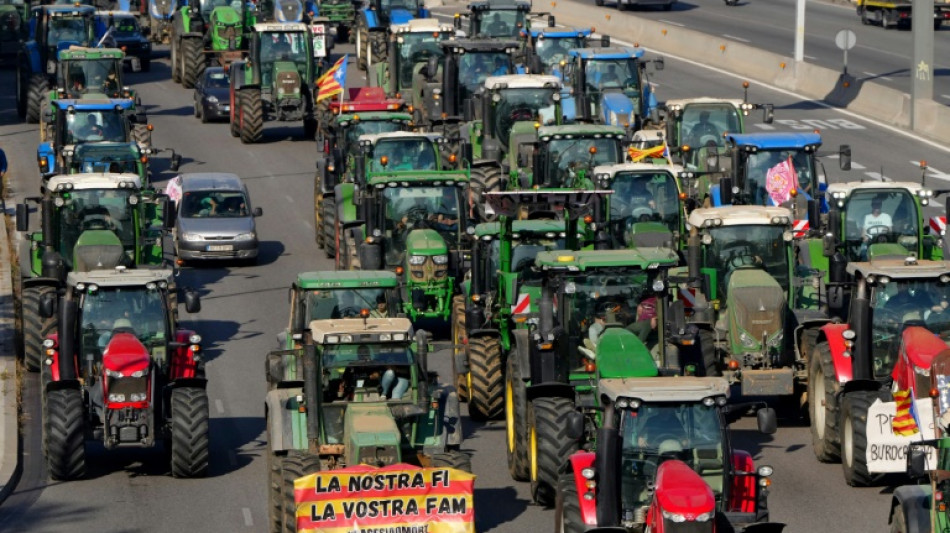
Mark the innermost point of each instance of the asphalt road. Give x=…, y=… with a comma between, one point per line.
x=244, y=307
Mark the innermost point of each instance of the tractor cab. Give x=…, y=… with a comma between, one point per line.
x=565, y=156
x=510, y=99
x=284, y=57
x=496, y=19
x=398, y=11
x=71, y=123
x=398, y=152
x=550, y=45
x=413, y=43
x=102, y=157
x=91, y=73
x=645, y=209
x=59, y=27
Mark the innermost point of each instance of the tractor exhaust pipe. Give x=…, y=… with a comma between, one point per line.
x=860, y=321
x=312, y=388
x=67, y=338
x=606, y=466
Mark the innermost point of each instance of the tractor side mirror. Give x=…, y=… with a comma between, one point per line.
x=575, y=425
x=175, y=162
x=659, y=64
x=916, y=462
x=48, y=305
x=768, y=114
x=828, y=245
x=551, y=21
x=432, y=68
x=422, y=350
x=22, y=217
x=275, y=367
x=192, y=301
x=844, y=157
x=605, y=41
x=766, y=420
x=258, y=212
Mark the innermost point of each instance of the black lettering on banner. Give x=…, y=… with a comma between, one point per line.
x=386, y=481
x=328, y=514
x=440, y=478
x=332, y=485
x=445, y=505
x=887, y=452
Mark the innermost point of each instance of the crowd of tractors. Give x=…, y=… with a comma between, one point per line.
x=620, y=279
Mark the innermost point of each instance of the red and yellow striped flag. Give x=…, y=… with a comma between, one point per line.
x=332, y=81
x=637, y=155
x=904, y=423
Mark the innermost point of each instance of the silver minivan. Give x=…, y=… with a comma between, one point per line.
x=215, y=219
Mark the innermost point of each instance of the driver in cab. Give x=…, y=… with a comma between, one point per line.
x=876, y=222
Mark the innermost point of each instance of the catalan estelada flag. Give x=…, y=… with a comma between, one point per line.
x=332, y=81
x=905, y=420
x=639, y=155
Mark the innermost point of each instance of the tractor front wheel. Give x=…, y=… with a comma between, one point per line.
x=459, y=348
x=65, y=436
x=36, y=92
x=486, y=397
x=252, y=116
x=294, y=465
x=823, y=405
x=453, y=459
x=189, y=432
x=176, y=60
x=516, y=426
x=142, y=135
x=484, y=179
x=854, y=436
x=567, y=514
x=362, y=40
x=193, y=62
x=550, y=445
x=35, y=327
x=329, y=226
x=707, y=353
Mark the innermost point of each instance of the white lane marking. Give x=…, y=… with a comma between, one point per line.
x=813, y=58
x=289, y=197
x=914, y=136
x=680, y=24
x=857, y=166
x=945, y=96
x=219, y=405
x=247, y=517
x=762, y=126
x=734, y=38
x=933, y=173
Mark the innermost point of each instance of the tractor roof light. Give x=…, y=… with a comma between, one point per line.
x=709, y=401
x=707, y=239
x=788, y=236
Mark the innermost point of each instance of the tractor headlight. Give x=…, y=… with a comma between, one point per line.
x=138, y=397
x=747, y=340
x=705, y=517
x=777, y=339
x=440, y=259
x=116, y=398
x=113, y=373
x=417, y=260
x=674, y=517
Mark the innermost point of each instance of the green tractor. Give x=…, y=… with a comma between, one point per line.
x=14, y=26
x=125, y=158
x=410, y=46
x=80, y=212
x=206, y=30
x=496, y=19
x=334, y=294
x=275, y=82
x=358, y=391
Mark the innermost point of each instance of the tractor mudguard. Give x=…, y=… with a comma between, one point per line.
x=63, y=385
x=842, y=364
x=452, y=419
x=25, y=260
x=33, y=58
x=715, y=195
x=483, y=332
x=550, y=390
x=279, y=424
x=743, y=491
x=346, y=209
x=45, y=151
x=183, y=364
x=650, y=100
x=521, y=348
x=579, y=461
x=369, y=18
x=39, y=281
x=916, y=501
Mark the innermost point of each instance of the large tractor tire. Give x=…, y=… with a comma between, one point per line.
x=516, y=424
x=898, y=520
x=141, y=135
x=567, y=514
x=275, y=496
x=65, y=435
x=176, y=60
x=293, y=466
x=486, y=398
x=189, y=432
x=378, y=48
x=252, y=116
x=453, y=145
x=823, y=405
x=484, y=178
x=318, y=232
x=35, y=327
x=235, y=122
x=459, y=347
x=707, y=353
x=36, y=92
x=329, y=227
x=854, y=436
x=362, y=38
x=452, y=459
x=550, y=446
x=193, y=62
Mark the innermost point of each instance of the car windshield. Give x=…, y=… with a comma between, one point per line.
x=613, y=74
x=741, y=246
x=96, y=209
x=343, y=303
x=216, y=79
x=419, y=207
x=552, y=50
x=760, y=162
x=69, y=29
x=214, y=204
x=500, y=23
x=404, y=154
x=89, y=126
x=643, y=197
x=700, y=124
x=523, y=105
x=879, y=216
x=344, y=355
x=901, y=303
x=476, y=67
x=417, y=47
x=98, y=76
x=567, y=158
x=365, y=127
x=133, y=309
x=656, y=432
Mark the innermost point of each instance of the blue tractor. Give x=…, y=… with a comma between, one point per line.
x=611, y=86
x=373, y=25
x=52, y=28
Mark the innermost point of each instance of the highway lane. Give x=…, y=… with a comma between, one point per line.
x=244, y=307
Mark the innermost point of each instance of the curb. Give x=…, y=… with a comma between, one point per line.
x=10, y=467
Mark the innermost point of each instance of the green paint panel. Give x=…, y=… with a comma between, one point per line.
x=425, y=242
x=347, y=279
x=621, y=354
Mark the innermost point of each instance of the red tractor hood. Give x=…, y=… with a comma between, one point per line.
x=125, y=354
x=680, y=490
x=918, y=348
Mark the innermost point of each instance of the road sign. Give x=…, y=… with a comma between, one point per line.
x=846, y=39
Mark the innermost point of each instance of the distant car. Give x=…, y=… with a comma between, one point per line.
x=212, y=97
x=215, y=219
x=127, y=35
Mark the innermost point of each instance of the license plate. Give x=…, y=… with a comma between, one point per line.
x=220, y=247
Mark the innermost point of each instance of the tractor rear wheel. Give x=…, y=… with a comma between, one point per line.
x=252, y=116
x=550, y=445
x=362, y=38
x=487, y=396
x=898, y=520
x=458, y=340
x=823, y=405
x=176, y=60
x=36, y=92
x=35, y=327
x=193, y=62
x=484, y=179
x=567, y=514
x=189, y=432
x=378, y=48
x=65, y=436
x=453, y=459
x=294, y=465
x=318, y=212
x=854, y=436
x=141, y=135
x=516, y=426
x=329, y=227
x=235, y=113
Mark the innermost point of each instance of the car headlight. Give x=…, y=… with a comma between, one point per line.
x=212, y=99
x=440, y=259
x=417, y=259
x=191, y=237
x=245, y=237
x=747, y=340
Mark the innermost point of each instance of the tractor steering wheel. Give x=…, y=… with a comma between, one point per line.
x=878, y=233
x=350, y=312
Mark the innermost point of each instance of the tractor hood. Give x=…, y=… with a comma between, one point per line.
x=681, y=491
x=225, y=15
x=919, y=346
x=425, y=242
x=621, y=354
x=617, y=108
x=756, y=304
x=125, y=355
x=400, y=16
x=371, y=435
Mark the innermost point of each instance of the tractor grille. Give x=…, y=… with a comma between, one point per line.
x=288, y=83
x=687, y=527
x=428, y=271
x=759, y=310
x=123, y=389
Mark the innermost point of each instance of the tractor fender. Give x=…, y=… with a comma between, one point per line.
x=550, y=390
x=916, y=501
x=40, y=281
x=346, y=209
x=841, y=364
x=484, y=332
x=279, y=426
x=183, y=362
x=32, y=52
x=615, y=107
x=715, y=195
x=192, y=35
x=649, y=100
x=579, y=461
x=369, y=18
x=45, y=151
x=521, y=348
x=25, y=259
x=63, y=385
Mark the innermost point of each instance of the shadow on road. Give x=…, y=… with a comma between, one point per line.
x=214, y=334
x=504, y=504
x=235, y=442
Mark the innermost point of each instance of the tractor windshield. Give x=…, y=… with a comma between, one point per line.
x=277, y=50
x=877, y=217
x=901, y=303
x=608, y=75
x=524, y=250
x=416, y=48
x=640, y=202
x=656, y=432
x=132, y=308
x=523, y=105
x=345, y=303
x=364, y=127
x=571, y=160
x=93, y=76
x=419, y=207
x=96, y=209
x=553, y=50
x=700, y=124
x=413, y=153
x=85, y=125
x=412, y=6
x=499, y=23
x=759, y=163
x=207, y=6
x=747, y=246
x=345, y=355
x=475, y=67
x=65, y=29
x=105, y=158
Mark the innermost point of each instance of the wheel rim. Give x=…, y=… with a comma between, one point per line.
x=848, y=439
x=510, y=415
x=818, y=404
x=533, y=439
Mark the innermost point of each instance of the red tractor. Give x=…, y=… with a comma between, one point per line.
x=664, y=463
x=132, y=378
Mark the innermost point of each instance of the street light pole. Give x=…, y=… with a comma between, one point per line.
x=800, y=30
x=922, y=80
